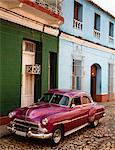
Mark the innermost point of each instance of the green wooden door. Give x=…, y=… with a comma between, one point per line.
x=53, y=69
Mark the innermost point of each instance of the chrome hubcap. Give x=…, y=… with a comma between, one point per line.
x=57, y=135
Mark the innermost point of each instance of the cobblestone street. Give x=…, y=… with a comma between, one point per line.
x=99, y=138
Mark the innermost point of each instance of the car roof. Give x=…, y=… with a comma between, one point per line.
x=69, y=93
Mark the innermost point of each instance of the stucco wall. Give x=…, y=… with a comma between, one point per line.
x=11, y=37
x=88, y=22
x=89, y=56
x=65, y=64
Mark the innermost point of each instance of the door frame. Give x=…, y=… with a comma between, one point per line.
x=95, y=80
x=25, y=76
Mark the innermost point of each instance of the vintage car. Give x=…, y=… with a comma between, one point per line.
x=57, y=113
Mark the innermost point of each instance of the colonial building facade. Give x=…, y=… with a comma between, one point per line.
x=87, y=49
x=35, y=56
x=29, y=32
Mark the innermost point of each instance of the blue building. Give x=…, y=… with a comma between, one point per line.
x=87, y=49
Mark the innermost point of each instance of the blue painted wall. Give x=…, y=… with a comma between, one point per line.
x=88, y=56
x=88, y=22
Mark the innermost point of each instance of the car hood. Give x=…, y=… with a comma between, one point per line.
x=38, y=111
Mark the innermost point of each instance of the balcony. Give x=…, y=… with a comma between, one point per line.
x=96, y=33
x=48, y=10
x=77, y=24
x=53, y=5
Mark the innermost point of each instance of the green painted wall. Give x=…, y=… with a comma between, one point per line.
x=11, y=37
x=50, y=44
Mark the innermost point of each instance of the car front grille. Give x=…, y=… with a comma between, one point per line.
x=24, y=126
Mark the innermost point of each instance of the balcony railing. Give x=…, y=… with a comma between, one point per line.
x=96, y=34
x=53, y=6
x=111, y=39
x=78, y=25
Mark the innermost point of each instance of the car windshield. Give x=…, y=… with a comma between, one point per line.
x=55, y=98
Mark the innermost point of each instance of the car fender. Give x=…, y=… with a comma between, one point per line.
x=53, y=121
x=92, y=115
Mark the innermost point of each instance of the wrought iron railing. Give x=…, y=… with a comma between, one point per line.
x=54, y=7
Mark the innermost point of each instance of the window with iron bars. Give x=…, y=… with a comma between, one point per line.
x=76, y=74
x=29, y=46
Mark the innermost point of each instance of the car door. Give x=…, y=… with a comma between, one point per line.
x=80, y=114
x=86, y=106
x=73, y=112
x=77, y=114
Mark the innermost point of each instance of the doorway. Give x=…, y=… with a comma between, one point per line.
x=52, y=70
x=31, y=72
x=27, y=86
x=95, y=80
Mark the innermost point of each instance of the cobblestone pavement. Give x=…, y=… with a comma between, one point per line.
x=99, y=138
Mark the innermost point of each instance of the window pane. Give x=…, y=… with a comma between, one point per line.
x=111, y=29
x=97, y=22
x=76, y=74
x=30, y=46
x=78, y=83
x=46, y=97
x=56, y=99
x=64, y=101
x=77, y=101
x=78, y=10
x=85, y=100
x=75, y=10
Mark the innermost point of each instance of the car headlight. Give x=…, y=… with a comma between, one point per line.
x=11, y=114
x=45, y=121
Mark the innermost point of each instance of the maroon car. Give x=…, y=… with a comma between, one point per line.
x=58, y=113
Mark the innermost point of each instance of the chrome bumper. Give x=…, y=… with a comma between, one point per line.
x=40, y=136
x=30, y=134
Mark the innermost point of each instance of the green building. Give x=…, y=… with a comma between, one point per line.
x=28, y=54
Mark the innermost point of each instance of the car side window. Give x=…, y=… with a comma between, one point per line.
x=46, y=97
x=64, y=101
x=56, y=98
x=85, y=100
x=76, y=101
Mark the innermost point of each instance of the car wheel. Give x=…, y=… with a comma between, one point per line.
x=57, y=136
